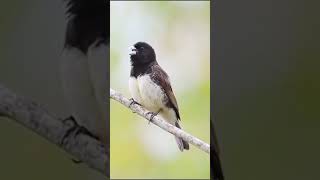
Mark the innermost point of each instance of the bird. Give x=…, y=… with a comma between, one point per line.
x=84, y=64
x=149, y=86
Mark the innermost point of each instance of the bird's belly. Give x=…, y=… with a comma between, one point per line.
x=134, y=89
x=152, y=96
x=99, y=72
x=169, y=115
x=78, y=90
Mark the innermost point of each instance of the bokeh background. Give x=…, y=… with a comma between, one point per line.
x=180, y=34
x=265, y=89
x=266, y=86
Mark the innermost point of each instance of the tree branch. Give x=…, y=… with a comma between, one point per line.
x=160, y=122
x=37, y=119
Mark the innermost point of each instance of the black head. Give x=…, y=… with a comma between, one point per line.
x=142, y=53
x=87, y=23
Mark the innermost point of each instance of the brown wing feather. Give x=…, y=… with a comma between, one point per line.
x=160, y=77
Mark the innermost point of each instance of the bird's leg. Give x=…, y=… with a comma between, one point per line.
x=77, y=129
x=73, y=127
x=133, y=102
x=84, y=130
x=153, y=115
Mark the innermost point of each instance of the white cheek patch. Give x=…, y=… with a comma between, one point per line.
x=132, y=51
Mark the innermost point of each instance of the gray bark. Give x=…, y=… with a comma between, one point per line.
x=33, y=116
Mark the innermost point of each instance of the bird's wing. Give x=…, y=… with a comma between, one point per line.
x=159, y=76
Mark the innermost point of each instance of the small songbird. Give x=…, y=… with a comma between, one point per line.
x=84, y=65
x=150, y=87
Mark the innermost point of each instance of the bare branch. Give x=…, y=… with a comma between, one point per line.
x=37, y=119
x=160, y=122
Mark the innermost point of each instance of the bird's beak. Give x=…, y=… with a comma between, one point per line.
x=132, y=51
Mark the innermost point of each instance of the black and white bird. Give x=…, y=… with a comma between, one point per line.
x=150, y=86
x=84, y=64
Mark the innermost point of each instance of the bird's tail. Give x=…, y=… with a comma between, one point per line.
x=182, y=144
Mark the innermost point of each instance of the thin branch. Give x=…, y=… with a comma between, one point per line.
x=160, y=122
x=37, y=119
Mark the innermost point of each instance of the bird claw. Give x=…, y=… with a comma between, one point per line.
x=72, y=119
x=84, y=130
x=73, y=127
x=133, y=102
x=77, y=129
x=152, y=115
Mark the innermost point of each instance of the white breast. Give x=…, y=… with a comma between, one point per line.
x=82, y=91
x=152, y=96
x=99, y=71
x=134, y=89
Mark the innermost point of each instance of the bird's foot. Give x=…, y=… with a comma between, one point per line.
x=152, y=115
x=84, y=130
x=77, y=129
x=73, y=127
x=133, y=102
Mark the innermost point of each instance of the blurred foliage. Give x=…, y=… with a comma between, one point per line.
x=266, y=109
x=139, y=150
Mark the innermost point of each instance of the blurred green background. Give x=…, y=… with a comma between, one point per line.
x=265, y=90
x=180, y=34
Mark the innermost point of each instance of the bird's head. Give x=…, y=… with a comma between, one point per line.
x=141, y=53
